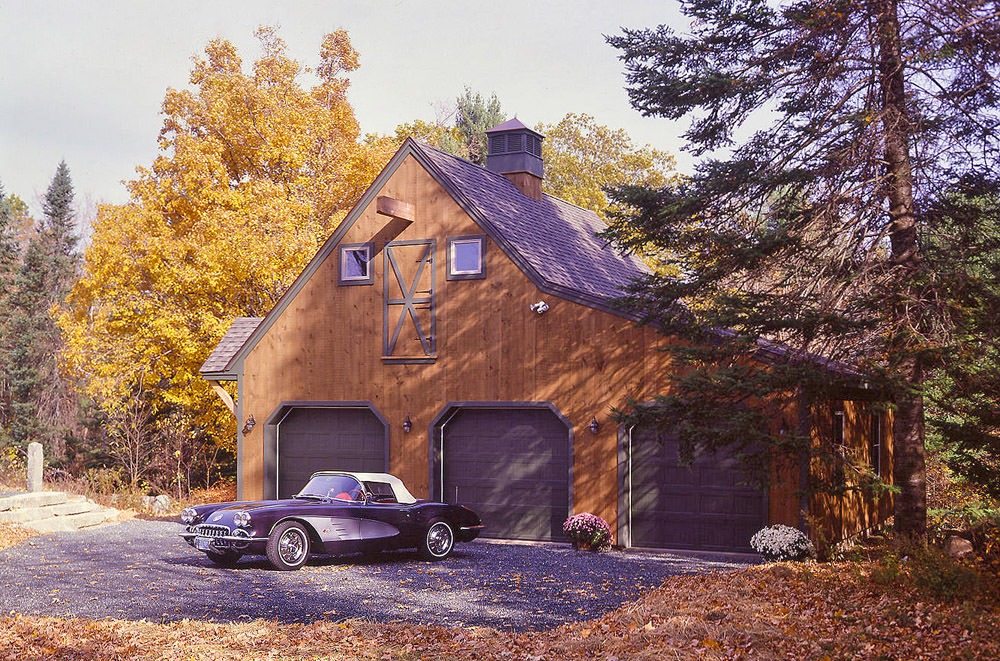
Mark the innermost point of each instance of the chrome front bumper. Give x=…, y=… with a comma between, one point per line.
x=219, y=542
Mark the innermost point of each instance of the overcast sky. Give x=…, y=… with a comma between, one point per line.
x=84, y=80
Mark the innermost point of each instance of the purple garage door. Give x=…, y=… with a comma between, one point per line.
x=704, y=506
x=512, y=466
x=312, y=439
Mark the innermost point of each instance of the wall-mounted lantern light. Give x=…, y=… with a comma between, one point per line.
x=407, y=425
x=541, y=307
x=595, y=426
x=249, y=424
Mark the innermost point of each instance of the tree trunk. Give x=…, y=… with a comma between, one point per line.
x=908, y=468
x=908, y=429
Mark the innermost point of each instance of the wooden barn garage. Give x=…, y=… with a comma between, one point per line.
x=457, y=330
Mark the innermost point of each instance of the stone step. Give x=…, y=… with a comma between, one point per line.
x=25, y=515
x=36, y=499
x=70, y=508
x=74, y=522
x=54, y=511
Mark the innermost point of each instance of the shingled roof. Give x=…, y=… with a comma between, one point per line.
x=218, y=361
x=555, y=243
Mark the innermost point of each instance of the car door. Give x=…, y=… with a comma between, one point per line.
x=338, y=525
x=384, y=519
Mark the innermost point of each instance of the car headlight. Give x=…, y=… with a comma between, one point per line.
x=242, y=519
x=189, y=515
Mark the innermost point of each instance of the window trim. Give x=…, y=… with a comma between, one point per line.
x=344, y=248
x=839, y=428
x=452, y=274
x=875, y=442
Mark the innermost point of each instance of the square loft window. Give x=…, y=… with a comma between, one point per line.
x=356, y=264
x=467, y=257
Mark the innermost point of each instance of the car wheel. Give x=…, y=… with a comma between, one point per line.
x=288, y=546
x=438, y=541
x=224, y=558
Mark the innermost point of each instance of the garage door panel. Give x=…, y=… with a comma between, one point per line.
x=703, y=506
x=311, y=439
x=512, y=466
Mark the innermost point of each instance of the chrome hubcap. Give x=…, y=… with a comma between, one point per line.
x=439, y=539
x=291, y=547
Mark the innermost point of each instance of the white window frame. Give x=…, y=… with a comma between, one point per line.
x=345, y=254
x=479, y=240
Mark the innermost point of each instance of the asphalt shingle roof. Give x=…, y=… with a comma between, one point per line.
x=555, y=239
x=231, y=342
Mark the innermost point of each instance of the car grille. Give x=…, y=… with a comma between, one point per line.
x=211, y=531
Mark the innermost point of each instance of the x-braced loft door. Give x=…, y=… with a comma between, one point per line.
x=409, y=326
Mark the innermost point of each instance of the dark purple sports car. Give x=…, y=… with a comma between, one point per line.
x=336, y=512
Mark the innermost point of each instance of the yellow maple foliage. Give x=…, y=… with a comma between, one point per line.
x=582, y=157
x=254, y=172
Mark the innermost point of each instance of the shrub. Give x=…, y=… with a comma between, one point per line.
x=779, y=543
x=588, y=531
x=939, y=576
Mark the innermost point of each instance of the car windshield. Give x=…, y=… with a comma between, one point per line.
x=338, y=487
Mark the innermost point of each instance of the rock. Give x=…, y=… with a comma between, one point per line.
x=958, y=547
x=161, y=504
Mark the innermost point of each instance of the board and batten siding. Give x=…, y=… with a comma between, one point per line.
x=327, y=345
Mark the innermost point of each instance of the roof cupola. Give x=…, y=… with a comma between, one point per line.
x=515, y=151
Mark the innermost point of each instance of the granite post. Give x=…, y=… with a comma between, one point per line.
x=35, y=465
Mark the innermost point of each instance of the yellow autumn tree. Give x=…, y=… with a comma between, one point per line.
x=255, y=170
x=582, y=157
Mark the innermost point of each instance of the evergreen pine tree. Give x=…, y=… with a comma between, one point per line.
x=807, y=232
x=9, y=256
x=473, y=117
x=43, y=406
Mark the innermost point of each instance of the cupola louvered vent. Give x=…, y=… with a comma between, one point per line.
x=514, y=149
x=535, y=145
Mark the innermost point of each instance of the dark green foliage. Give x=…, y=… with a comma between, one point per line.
x=475, y=115
x=10, y=257
x=41, y=406
x=962, y=248
x=58, y=232
x=796, y=245
x=939, y=576
x=9, y=246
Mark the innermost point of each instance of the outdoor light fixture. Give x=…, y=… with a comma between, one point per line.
x=541, y=307
x=249, y=424
x=594, y=425
x=407, y=425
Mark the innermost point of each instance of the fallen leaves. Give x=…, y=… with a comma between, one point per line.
x=770, y=612
x=12, y=534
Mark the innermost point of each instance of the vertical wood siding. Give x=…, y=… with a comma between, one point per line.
x=328, y=345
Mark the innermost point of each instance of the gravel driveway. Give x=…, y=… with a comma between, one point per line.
x=143, y=570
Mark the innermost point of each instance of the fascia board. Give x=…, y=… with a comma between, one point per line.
x=324, y=252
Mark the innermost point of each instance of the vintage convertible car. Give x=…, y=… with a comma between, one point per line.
x=335, y=512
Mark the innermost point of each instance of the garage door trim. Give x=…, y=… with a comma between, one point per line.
x=440, y=422
x=272, y=440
